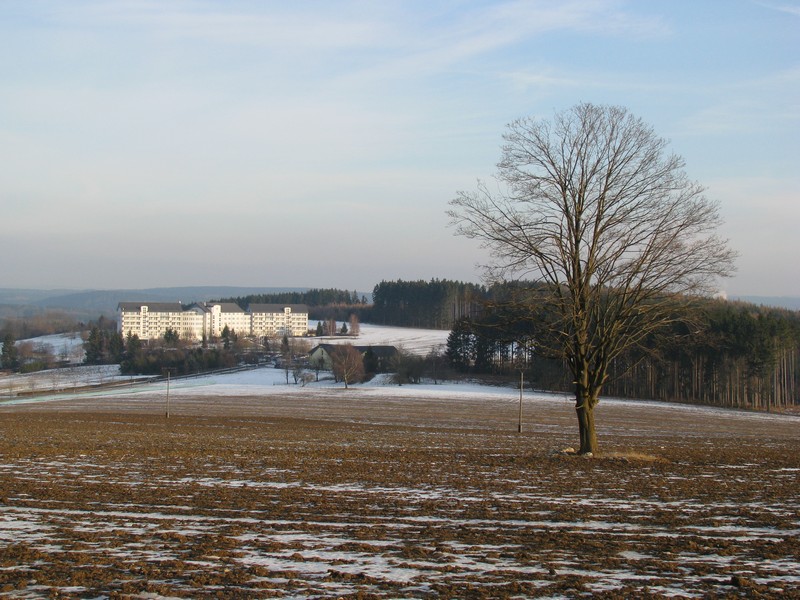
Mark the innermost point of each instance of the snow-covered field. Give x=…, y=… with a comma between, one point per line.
x=418, y=341
x=64, y=346
x=271, y=382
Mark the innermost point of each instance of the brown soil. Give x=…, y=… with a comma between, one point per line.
x=339, y=496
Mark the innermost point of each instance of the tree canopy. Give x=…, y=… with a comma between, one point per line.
x=434, y=304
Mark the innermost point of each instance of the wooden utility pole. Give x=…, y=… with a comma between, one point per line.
x=168, y=371
x=521, y=385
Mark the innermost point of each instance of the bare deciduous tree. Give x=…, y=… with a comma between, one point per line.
x=347, y=364
x=330, y=327
x=355, y=325
x=592, y=207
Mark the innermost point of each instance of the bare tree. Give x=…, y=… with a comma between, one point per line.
x=293, y=353
x=347, y=364
x=593, y=208
x=355, y=325
x=435, y=361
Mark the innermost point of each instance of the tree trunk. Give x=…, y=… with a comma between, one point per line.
x=584, y=406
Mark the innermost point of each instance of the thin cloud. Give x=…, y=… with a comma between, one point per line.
x=789, y=9
x=356, y=116
x=281, y=26
x=412, y=38
x=502, y=25
x=741, y=108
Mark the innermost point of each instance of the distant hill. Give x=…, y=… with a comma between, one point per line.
x=90, y=304
x=23, y=297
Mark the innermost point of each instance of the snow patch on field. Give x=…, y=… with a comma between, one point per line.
x=417, y=509
x=313, y=550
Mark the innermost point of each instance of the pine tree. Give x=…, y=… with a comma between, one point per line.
x=93, y=347
x=10, y=356
x=226, y=337
x=461, y=345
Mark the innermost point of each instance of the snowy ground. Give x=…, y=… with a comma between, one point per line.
x=266, y=382
x=63, y=346
x=419, y=341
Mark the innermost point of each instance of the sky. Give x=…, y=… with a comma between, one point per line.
x=317, y=143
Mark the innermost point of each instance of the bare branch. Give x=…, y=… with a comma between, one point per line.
x=592, y=205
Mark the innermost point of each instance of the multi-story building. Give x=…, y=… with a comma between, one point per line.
x=151, y=320
x=279, y=319
x=227, y=314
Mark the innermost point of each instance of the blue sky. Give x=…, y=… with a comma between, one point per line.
x=317, y=143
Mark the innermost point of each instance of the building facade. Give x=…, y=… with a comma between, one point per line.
x=151, y=320
x=279, y=319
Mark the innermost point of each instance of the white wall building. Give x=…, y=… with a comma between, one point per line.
x=279, y=319
x=227, y=314
x=150, y=320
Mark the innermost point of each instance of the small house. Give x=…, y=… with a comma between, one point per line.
x=377, y=359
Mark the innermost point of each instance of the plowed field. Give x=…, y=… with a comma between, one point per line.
x=341, y=495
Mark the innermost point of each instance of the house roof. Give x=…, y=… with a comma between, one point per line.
x=151, y=306
x=277, y=308
x=379, y=351
x=228, y=307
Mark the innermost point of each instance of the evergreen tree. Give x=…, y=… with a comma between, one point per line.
x=171, y=337
x=116, y=347
x=10, y=356
x=371, y=363
x=94, y=347
x=133, y=344
x=460, y=350
x=226, y=338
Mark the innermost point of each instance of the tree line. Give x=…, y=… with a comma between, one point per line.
x=741, y=356
x=727, y=354
x=103, y=346
x=179, y=361
x=434, y=304
x=313, y=298
x=46, y=323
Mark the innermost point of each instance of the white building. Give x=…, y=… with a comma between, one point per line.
x=227, y=314
x=151, y=320
x=279, y=319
